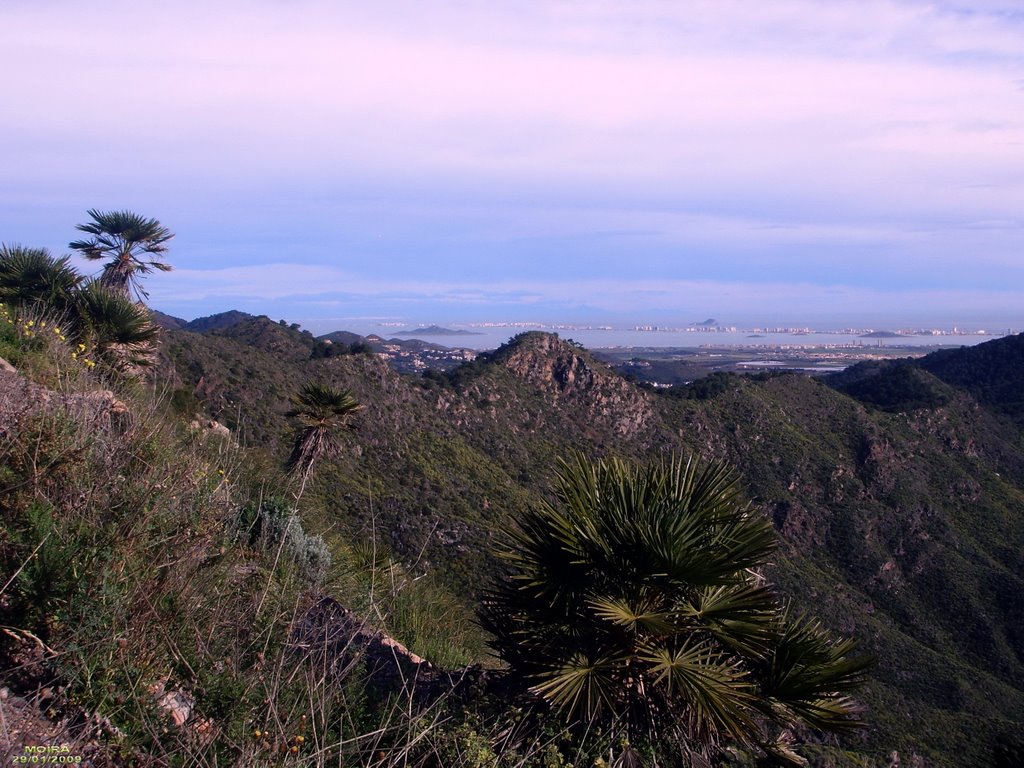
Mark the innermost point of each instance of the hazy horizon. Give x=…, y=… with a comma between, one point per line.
x=391, y=325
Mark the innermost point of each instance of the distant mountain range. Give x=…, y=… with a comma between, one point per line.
x=436, y=330
x=227, y=319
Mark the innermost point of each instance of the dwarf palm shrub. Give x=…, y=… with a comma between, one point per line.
x=323, y=412
x=47, y=293
x=120, y=332
x=29, y=275
x=633, y=600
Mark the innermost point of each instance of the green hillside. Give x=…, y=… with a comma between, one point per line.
x=897, y=492
x=993, y=373
x=901, y=526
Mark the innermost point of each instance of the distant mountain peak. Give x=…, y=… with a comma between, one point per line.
x=218, y=321
x=167, y=322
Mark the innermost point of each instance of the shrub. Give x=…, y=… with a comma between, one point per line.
x=271, y=523
x=633, y=602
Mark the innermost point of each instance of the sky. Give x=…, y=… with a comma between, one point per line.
x=337, y=163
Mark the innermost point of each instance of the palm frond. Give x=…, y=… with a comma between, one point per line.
x=718, y=694
x=317, y=402
x=742, y=615
x=581, y=686
x=810, y=672
x=640, y=615
x=111, y=229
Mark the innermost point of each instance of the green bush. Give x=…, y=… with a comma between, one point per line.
x=272, y=523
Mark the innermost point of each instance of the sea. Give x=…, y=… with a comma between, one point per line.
x=481, y=336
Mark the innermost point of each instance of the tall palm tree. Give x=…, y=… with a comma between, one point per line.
x=323, y=412
x=33, y=276
x=634, y=600
x=132, y=244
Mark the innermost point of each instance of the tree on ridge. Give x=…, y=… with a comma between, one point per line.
x=132, y=244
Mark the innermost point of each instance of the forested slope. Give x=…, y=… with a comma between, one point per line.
x=900, y=511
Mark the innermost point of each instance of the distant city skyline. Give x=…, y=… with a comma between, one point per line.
x=559, y=162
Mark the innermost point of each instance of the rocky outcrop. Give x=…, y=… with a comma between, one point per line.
x=209, y=428
x=177, y=703
x=335, y=640
x=20, y=397
x=571, y=378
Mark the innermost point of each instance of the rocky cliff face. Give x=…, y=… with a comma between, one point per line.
x=571, y=378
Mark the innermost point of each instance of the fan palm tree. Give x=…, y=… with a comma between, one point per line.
x=323, y=412
x=633, y=600
x=33, y=276
x=132, y=244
